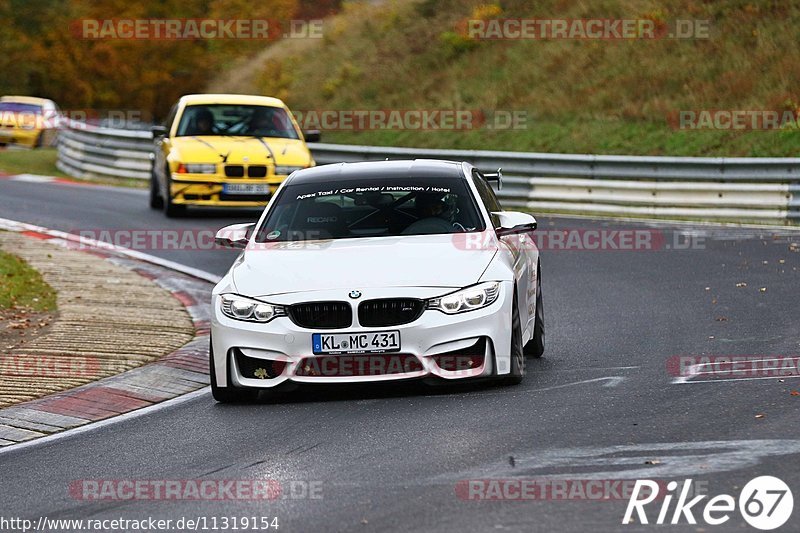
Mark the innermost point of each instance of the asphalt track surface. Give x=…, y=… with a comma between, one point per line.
x=600, y=405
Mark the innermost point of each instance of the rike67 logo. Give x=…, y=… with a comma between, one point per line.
x=765, y=503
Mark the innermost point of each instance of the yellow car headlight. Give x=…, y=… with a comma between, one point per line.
x=285, y=170
x=197, y=168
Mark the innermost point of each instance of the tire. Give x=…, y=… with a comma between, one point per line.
x=535, y=346
x=171, y=210
x=227, y=394
x=39, y=140
x=517, y=356
x=156, y=201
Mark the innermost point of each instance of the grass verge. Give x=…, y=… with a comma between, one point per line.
x=42, y=162
x=22, y=287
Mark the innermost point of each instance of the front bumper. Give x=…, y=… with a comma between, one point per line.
x=434, y=345
x=207, y=190
x=19, y=136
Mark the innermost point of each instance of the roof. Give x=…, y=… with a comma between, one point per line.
x=244, y=99
x=25, y=100
x=418, y=168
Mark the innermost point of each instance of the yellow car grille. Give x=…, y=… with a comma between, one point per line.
x=251, y=171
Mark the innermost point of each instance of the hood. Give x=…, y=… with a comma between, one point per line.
x=211, y=149
x=419, y=261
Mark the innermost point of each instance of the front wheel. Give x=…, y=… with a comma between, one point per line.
x=172, y=210
x=156, y=201
x=516, y=350
x=535, y=346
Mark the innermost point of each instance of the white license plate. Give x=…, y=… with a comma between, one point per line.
x=245, y=188
x=339, y=343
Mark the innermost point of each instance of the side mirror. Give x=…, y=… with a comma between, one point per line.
x=235, y=236
x=312, y=136
x=158, y=131
x=514, y=223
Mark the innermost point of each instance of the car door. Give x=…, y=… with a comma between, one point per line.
x=523, y=250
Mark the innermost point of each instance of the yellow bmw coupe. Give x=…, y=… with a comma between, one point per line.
x=225, y=150
x=28, y=121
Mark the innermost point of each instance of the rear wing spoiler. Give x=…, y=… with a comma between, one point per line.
x=495, y=176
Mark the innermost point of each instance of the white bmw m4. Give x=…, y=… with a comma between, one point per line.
x=378, y=271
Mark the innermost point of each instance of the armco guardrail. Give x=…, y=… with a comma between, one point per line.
x=87, y=151
x=708, y=188
x=760, y=189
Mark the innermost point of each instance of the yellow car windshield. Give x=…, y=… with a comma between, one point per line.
x=236, y=120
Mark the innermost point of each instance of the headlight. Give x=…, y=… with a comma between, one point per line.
x=241, y=308
x=197, y=168
x=469, y=299
x=284, y=170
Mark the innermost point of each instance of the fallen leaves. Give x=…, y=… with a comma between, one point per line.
x=18, y=323
x=795, y=393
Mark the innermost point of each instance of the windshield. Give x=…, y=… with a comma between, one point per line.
x=376, y=207
x=17, y=107
x=236, y=120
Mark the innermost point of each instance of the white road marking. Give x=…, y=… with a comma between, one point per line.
x=676, y=459
x=583, y=369
x=32, y=178
x=610, y=381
